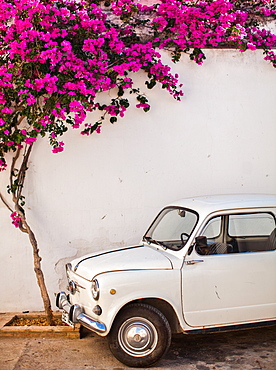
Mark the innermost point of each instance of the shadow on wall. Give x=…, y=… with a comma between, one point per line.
x=83, y=247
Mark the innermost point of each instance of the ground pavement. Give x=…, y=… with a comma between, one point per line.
x=240, y=350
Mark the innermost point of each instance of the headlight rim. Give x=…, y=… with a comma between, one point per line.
x=95, y=289
x=72, y=286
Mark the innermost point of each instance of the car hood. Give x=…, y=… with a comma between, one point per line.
x=132, y=258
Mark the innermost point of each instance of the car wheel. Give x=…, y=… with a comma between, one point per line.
x=140, y=335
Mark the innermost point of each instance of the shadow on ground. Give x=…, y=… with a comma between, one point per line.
x=240, y=350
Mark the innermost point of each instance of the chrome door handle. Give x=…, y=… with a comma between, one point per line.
x=192, y=262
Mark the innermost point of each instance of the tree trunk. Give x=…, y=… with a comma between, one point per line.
x=17, y=179
x=37, y=269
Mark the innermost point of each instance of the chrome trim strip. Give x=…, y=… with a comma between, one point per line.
x=229, y=328
x=76, y=314
x=78, y=285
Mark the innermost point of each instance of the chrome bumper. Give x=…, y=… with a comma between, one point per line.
x=77, y=316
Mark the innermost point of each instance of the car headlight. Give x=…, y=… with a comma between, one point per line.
x=72, y=287
x=95, y=289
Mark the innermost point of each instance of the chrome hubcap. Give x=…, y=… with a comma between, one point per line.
x=138, y=337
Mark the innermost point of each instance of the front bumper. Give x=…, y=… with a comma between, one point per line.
x=77, y=316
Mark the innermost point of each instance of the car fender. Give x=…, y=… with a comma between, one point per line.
x=118, y=288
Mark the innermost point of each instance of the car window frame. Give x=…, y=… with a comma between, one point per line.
x=175, y=207
x=224, y=214
x=247, y=213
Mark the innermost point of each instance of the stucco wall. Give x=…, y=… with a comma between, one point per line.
x=104, y=190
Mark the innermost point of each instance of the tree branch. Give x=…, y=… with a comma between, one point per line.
x=5, y=202
x=22, y=172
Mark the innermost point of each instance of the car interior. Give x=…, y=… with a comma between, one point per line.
x=240, y=233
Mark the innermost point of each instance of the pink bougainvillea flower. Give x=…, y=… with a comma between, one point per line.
x=16, y=219
x=30, y=140
x=59, y=148
x=58, y=57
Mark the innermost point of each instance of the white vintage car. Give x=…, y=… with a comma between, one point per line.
x=205, y=264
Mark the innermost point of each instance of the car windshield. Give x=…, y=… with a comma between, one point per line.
x=172, y=228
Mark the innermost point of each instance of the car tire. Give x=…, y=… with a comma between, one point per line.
x=140, y=335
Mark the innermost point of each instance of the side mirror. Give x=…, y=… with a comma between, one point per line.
x=191, y=247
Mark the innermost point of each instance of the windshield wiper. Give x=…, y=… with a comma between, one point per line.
x=149, y=240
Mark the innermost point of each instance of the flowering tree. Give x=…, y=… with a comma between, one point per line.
x=58, y=56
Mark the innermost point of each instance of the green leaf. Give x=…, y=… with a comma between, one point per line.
x=150, y=84
x=120, y=91
x=113, y=119
x=124, y=103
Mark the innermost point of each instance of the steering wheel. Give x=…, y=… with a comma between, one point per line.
x=185, y=234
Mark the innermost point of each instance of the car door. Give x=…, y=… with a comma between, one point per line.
x=238, y=286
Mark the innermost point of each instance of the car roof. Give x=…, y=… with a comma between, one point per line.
x=212, y=203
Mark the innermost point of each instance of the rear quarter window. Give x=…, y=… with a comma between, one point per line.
x=255, y=224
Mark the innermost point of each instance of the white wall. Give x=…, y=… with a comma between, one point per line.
x=104, y=190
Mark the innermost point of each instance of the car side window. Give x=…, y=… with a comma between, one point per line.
x=211, y=241
x=253, y=232
x=213, y=228
x=238, y=233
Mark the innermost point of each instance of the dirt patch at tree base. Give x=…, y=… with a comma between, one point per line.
x=34, y=321
x=35, y=325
